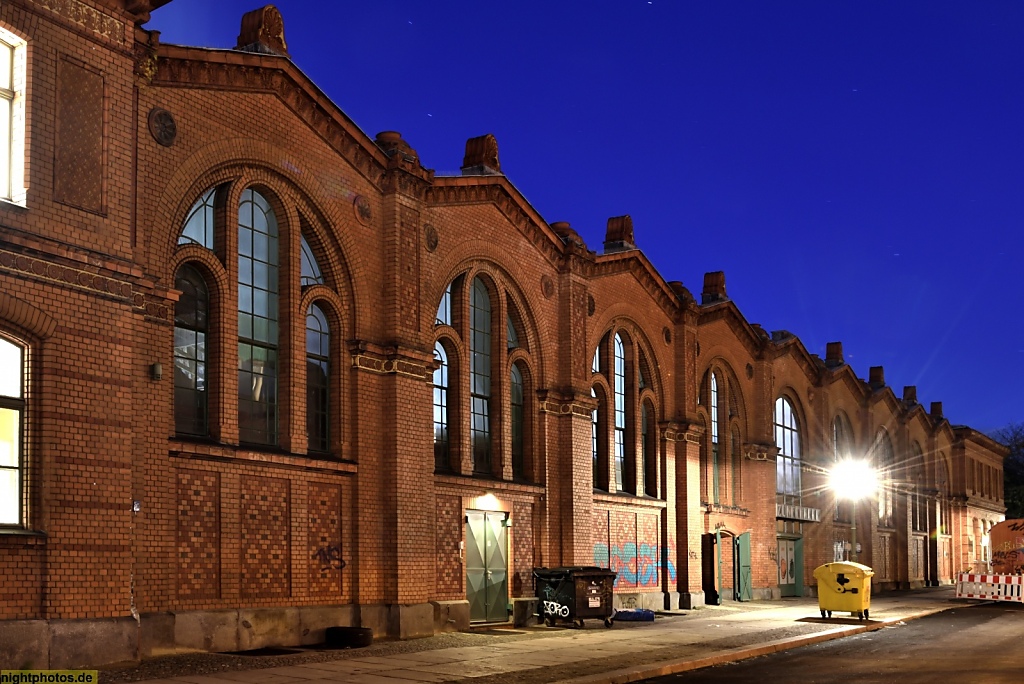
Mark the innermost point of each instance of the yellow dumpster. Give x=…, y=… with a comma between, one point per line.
x=844, y=587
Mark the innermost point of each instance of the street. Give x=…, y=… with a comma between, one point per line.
x=976, y=643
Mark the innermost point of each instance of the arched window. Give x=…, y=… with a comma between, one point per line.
x=309, y=269
x=649, y=446
x=199, y=224
x=713, y=411
x=885, y=459
x=318, y=386
x=842, y=449
x=737, y=459
x=919, y=506
x=518, y=436
x=191, y=323
x=787, y=439
x=13, y=81
x=943, y=524
x=12, y=430
x=444, y=308
x=619, y=389
x=442, y=461
x=480, y=375
x=257, y=320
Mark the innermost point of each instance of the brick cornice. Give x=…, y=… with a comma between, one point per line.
x=760, y=452
x=260, y=73
x=558, y=404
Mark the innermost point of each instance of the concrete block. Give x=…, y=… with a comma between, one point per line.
x=262, y=627
x=524, y=612
x=314, y=620
x=207, y=630
x=689, y=600
x=76, y=644
x=156, y=635
x=672, y=600
x=452, y=616
x=411, y=621
x=24, y=644
x=374, y=616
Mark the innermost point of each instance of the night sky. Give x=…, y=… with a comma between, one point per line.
x=855, y=168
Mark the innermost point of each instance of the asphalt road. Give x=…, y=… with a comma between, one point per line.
x=976, y=644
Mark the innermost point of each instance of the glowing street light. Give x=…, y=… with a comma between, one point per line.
x=853, y=480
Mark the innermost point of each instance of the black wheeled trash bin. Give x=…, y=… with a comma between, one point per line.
x=574, y=594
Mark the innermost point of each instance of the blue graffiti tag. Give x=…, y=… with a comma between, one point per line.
x=633, y=565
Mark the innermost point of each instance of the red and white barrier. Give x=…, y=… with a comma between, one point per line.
x=990, y=587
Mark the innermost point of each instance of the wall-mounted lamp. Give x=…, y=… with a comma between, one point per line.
x=156, y=371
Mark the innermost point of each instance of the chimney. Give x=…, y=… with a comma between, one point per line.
x=876, y=377
x=834, y=354
x=262, y=32
x=567, y=234
x=910, y=394
x=936, y=411
x=714, y=288
x=481, y=158
x=393, y=144
x=619, y=235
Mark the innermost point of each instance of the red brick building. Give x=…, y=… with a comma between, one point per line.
x=261, y=374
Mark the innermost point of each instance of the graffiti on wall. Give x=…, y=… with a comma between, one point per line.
x=635, y=565
x=329, y=557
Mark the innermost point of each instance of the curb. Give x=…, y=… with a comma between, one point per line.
x=667, y=667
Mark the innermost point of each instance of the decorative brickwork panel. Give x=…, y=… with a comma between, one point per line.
x=266, y=538
x=522, y=549
x=602, y=559
x=326, y=556
x=450, y=573
x=622, y=549
x=409, y=267
x=648, y=551
x=78, y=170
x=198, y=534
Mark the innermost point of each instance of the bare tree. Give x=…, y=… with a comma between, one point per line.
x=1013, y=468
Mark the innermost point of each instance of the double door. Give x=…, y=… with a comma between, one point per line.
x=487, y=565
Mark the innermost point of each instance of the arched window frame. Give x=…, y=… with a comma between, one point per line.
x=919, y=504
x=318, y=380
x=517, y=406
x=885, y=461
x=191, y=380
x=788, y=485
x=442, y=440
x=259, y=319
x=482, y=443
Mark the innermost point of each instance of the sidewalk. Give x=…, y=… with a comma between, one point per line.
x=594, y=655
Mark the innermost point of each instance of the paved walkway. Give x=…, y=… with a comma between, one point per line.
x=596, y=655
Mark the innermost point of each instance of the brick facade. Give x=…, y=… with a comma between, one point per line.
x=143, y=539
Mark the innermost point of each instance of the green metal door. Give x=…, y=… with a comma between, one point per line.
x=487, y=566
x=744, y=580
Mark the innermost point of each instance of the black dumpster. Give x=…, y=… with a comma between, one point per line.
x=574, y=594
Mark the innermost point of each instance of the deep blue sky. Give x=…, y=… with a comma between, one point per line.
x=855, y=168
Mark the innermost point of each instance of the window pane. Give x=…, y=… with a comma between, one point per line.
x=5, y=147
x=10, y=448
x=198, y=227
x=10, y=496
x=10, y=369
x=6, y=61
x=317, y=380
x=310, y=269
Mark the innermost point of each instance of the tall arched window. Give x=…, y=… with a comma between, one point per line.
x=713, y=411
x=842, y=449
x=480, y=375
x=257, y=320
x=619, y=388
x=649, y=445
x=191, y=323
x=594, y=433
x=944, y=522
x=737, y=459
x=787, y=439
x=518, y=436
x=442, y=461
x=318, y=385
x=885, y=459
x=12, y=427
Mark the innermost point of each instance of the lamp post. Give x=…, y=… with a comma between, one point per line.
x=853, y=480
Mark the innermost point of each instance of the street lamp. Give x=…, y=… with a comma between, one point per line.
x=853, y=480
